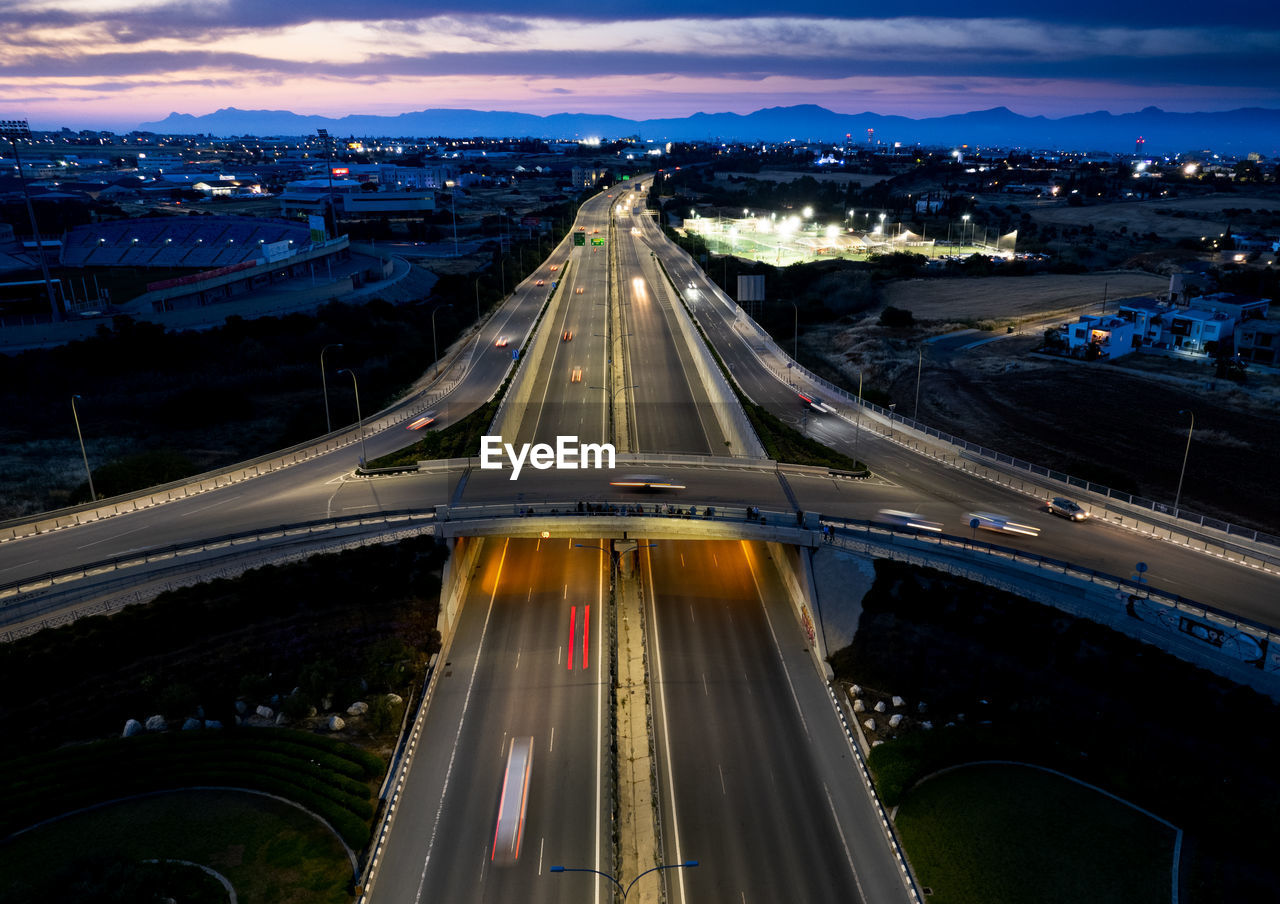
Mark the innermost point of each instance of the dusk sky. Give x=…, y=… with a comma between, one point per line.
x=116, y=63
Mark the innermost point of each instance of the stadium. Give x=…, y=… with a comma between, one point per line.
x=202, y=260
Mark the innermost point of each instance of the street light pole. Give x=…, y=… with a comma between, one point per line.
x=1178, y=498
x=93, y=497
x=625, y=891
x=915, y=411
x=324, y=385
x=364, y=458
x=13, y=129
x=435, y=352
x=795, y=329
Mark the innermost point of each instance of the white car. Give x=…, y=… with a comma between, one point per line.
x=1067, y=508
x=1002, y=524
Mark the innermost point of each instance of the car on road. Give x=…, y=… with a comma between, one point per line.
x=578, y=290
x=1001, y=524
x=644, y=482
x=555, y=267
x=500, y=342
x=541, y=282
x=911, y=520
x=575, y=376
x=1066, y=508
x=566, y=336
x=425, y=420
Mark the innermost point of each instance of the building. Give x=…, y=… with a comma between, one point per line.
x=1238, y=307
x=1258, y=342
x=1197, y=331
x=1101, y=337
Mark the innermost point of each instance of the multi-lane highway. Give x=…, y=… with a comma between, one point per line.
x=756, y=778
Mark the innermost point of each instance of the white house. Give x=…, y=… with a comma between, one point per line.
x=1105, y=336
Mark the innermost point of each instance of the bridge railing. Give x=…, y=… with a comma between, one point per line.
x=791, y=369
x=1221, y=635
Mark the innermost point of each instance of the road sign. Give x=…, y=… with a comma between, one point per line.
x=579, y=238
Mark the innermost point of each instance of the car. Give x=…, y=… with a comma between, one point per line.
x=555, y=267
x=500, y=342
x=643, y=482
x=1001, y=524
x=566, y=335
x=425, y=420
x=1067, y=508
x=578, y=290
x=575, y=376
x=910, y=520
x=541, y=282
x=595, y=232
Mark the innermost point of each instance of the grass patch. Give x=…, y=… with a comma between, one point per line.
x=332, y=779
x=271, y=852
x=1004, y=678
x=994, y=834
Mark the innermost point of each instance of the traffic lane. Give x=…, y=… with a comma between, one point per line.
x=568, y=397
x=520, y=686
x=747, y=800
x=667, y=416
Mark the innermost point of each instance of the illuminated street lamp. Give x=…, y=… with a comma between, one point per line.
x=359, y=420
x=434, y=348
x=324, y=385
x=627, y=890
x=964, y=217
x=1178, y=497
x=93, y=497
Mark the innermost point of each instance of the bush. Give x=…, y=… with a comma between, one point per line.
x=897, y=318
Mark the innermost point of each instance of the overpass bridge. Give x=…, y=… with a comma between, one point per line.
x=645, y=380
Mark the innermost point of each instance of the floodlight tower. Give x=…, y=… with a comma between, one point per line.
x=13, y=129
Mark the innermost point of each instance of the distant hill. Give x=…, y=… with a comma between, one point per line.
x=1233, y=132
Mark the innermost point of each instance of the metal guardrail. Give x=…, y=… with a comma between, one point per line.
x=1137, y=588
x=1139, y=502
x=55, y=578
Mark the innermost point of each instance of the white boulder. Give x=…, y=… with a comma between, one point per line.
x=895, y=720
x=869, y=725
x=880, y=707
x=359, y=708
x=859, y=706
x=898, y=702
x=336, y=724
x=394, y=699
x=157, y=723
x=131, y=728
x=265, y=712
x=191, y=725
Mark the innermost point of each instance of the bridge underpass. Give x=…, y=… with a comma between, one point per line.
x=752, y=774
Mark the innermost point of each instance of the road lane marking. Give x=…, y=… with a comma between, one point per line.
x=453, y=754
x=112, y=537
x=843, y=843
x=666, y=735
x=211, y=505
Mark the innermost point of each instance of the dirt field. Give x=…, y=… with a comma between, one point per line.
x=1115, y=424
x=1004, y=301
x=859, y=179
x=1199, y=216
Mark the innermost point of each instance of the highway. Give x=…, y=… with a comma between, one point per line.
x=528, y=660
x=761, y=787
x=756, y=778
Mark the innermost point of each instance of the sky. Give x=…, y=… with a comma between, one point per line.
x=112, y=64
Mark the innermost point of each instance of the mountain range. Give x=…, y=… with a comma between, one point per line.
x=1232, y=132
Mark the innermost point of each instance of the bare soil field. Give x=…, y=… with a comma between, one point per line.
x=1005, y=300
x=1117, y=424
x=1169, y=218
